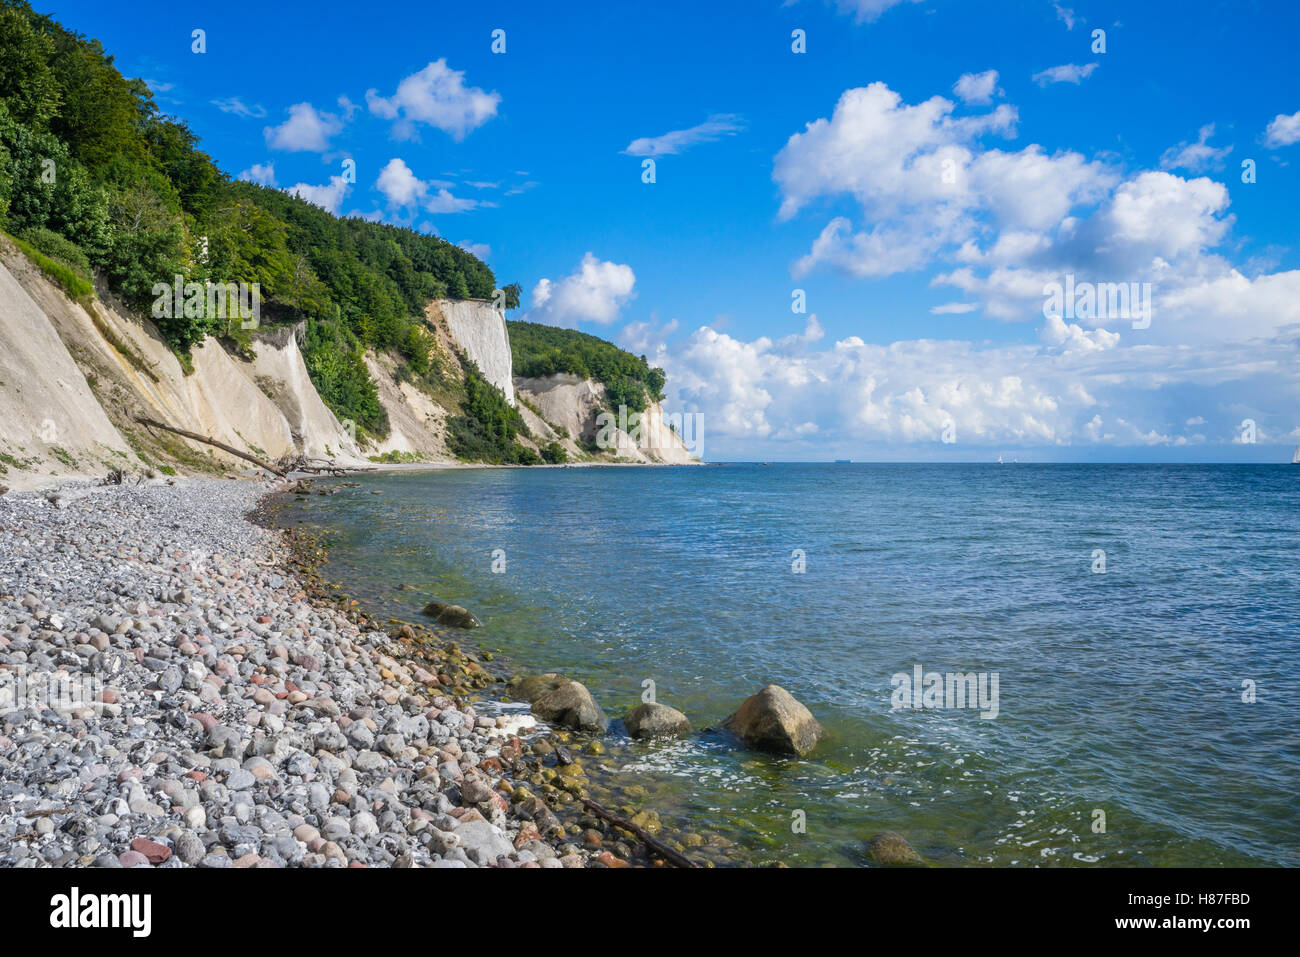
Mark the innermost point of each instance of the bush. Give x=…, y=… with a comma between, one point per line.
x=57, y=247
x=486, y=429
x=554, y=454
x=59, y=273
x=334, y=361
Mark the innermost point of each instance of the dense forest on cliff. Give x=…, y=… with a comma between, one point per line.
x=100, y=182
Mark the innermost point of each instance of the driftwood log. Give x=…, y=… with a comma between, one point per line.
x=301, y=463
x=659, y=847
x=155, y=424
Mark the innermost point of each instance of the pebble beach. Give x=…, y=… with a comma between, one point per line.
x=173, y=693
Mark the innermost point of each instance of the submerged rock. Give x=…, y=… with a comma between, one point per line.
x=453, y=616
x=563, y=701
x=889, y=849
x=532, y=687
x=773, y=720
x=656, y=721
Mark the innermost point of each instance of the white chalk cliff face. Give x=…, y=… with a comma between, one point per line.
x=71, y=387
x=575, y=405
x=49, y=418
x=74, y=379
x=481, y=331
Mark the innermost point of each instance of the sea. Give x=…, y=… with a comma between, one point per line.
x=1015, y=665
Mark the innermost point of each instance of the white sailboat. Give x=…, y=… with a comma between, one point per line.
x=1295, y=456
x=999, y=460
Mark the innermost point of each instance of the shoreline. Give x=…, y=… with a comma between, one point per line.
x=236, y=716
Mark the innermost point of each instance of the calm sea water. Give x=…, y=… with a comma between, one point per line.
x=1119, y=692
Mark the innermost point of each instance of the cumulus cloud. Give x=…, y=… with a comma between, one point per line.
x=436, y=96
x=329, y=196
x=261, y=173
x=480, y=250
x=977, y=88
x=924, y=182
x=1004, y=224
x=679, y=141
x=596, y=292
x=306, y=130
x=1065, y=73
x=1057, y=332
x=404, y=190
x=1195, y=157
x=1283, y=130
x=886, y=153
x=1076, y=387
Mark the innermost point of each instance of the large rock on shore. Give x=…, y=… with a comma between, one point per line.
x=889, y=849
x=773, y=720
x=656, y=721
x=453, y=616
x=561, y=701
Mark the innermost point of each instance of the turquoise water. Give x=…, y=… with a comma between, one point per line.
x=1119, y=692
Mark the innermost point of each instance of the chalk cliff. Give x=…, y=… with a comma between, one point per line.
x=75, y=377
x=572, y=406
x=480, y=330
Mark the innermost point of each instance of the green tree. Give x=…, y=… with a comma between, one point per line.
x=28, y=87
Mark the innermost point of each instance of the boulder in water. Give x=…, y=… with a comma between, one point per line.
x=532, y=687
x=888, y=849
x=773, y=720
x=568, y=703
x=656, y=721
x=453, y=616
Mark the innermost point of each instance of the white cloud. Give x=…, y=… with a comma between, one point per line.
x=436, y=96
x=1195, y=157
x=884, y=152
x=1057, y=332
x=1283, y=130
x=1161, y=214
x=922, y=181
x=678, y=141
x=953, y=308
x=481, y=250
x=260, y=173
x=596, y=292
x=404, y=190
x=306, y=130
x=237, y=107
x=399, y=185
x=328, y=197
x=1077, y=387
x=1065, y=15
x=1065, y=73
x=1006, y=223
x=977, y=88
x=868, y=11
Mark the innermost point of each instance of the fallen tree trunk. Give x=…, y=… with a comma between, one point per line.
x=659, y=847
x=302, y=463
x=155, y=424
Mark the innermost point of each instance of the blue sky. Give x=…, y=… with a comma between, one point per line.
x=922, y=214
